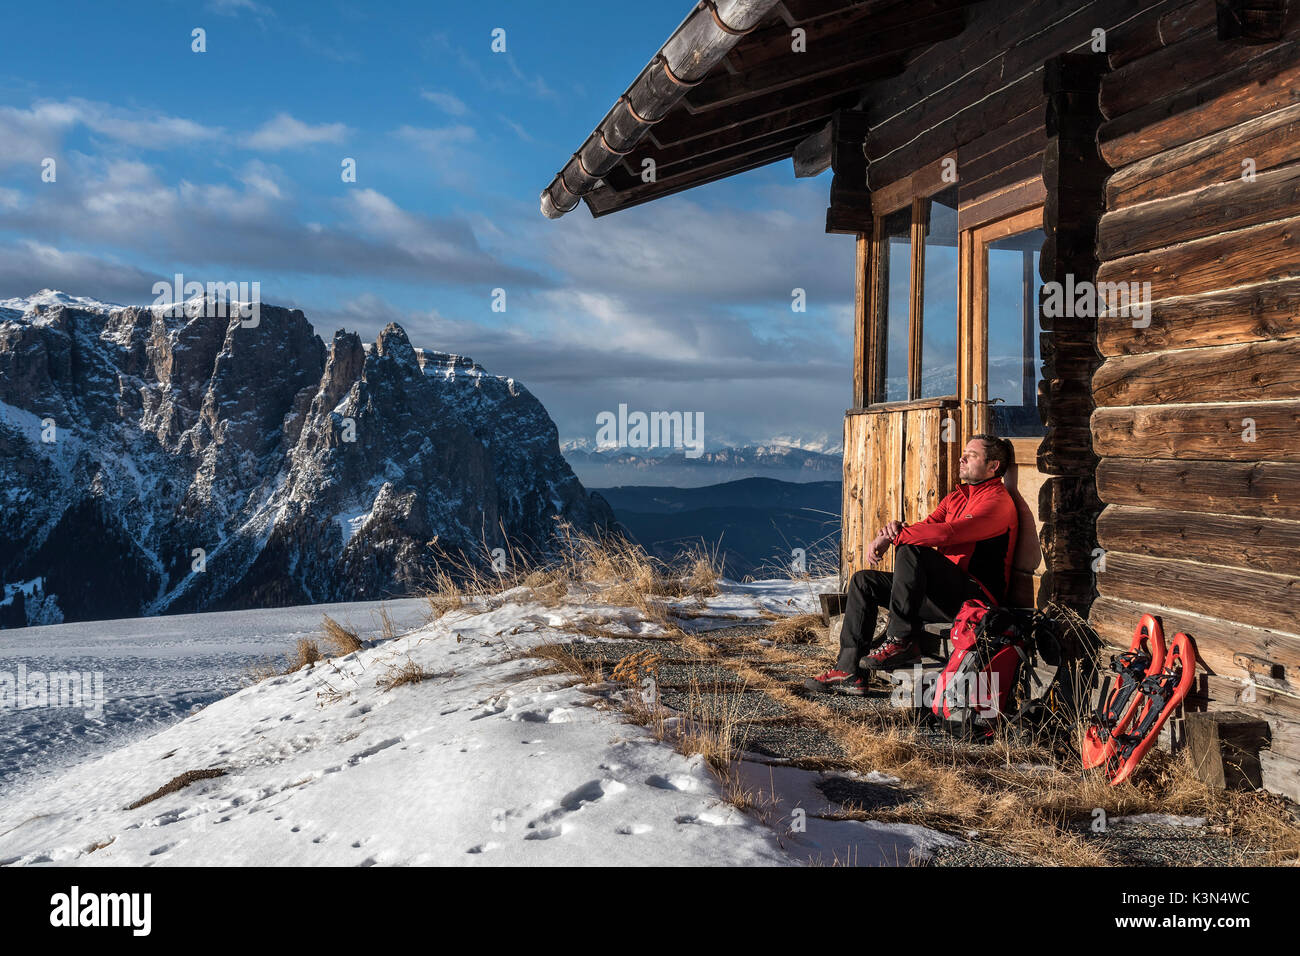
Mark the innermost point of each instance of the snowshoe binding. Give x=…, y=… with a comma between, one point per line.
x=1160, y=694
x=1145, y=657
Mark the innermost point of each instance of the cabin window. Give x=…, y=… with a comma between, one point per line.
x=937, y=322
x=917, y=299
x=896, y=287
x=1014, y=359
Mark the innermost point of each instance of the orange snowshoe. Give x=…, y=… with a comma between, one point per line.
x=1144, y=657
x=1160, y=694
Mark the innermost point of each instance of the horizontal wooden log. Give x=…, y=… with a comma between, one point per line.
x=894, y=150
x=1261, y=489
x=1256, y=371
x=1249, y=431
x=1233, y=650
x=1264, y=84
x=1248, y=314
x=826, y=94
x=1213, y=210
x=989, y=32
x=1157, y=27
x=1023, y=170
x=1027, y=147
x=825, y=25
x=1258, y=254
x=1028, y=124
x=1281, y=709
x=843, y=55
x=1264, y=544
x=1268, y=141
x=1000, y=205
x=1257, y=598
x=1195, y=59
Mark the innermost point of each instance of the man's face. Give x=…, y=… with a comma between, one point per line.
x=974, y=465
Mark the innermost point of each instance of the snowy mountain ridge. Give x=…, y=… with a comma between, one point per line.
x=153, y=461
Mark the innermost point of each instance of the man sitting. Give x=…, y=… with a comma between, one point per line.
x=963, y=550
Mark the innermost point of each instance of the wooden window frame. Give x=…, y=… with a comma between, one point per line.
x=915, y=190
x=972, y=327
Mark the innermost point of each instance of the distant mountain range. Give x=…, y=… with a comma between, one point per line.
x=753, y=525
x=671, y=467
x=158, y=460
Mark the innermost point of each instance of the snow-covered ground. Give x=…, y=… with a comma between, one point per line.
x=155, y=670
x=487, y=761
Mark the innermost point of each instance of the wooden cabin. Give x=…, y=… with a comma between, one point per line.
x=992, y=162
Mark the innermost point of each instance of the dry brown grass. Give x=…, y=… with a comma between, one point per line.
x=387, y=630
x=306, y=653
x=177, y=783
x=563, y=660
x=996, y=791
x=607, y=567
x=340, y=639
x=399, y=675
x=798, y=629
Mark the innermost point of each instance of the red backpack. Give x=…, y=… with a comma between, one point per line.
x=988, y=651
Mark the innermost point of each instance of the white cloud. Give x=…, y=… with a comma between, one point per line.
x=232, y=8
x=285, y=132
x=445, y=102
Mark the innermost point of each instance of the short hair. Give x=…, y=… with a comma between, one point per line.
x=997, y=449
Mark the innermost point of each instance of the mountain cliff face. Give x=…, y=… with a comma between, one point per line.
x=153, y=461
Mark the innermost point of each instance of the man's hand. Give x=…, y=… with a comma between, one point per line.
x=877, y=549
x=893, y=529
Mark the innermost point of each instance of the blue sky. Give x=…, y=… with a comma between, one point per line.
x=225, y=166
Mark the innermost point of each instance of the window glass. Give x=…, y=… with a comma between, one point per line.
x=939, y=298
x=895, y=282
x=1015, y=362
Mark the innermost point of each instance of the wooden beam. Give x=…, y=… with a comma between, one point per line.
x=1264, y=84
x=1236, y=594
x=1229, y=648
x=603, y=201
x=1260, y=253
x=682, y=158
x=1262, y=544
x=1269, y=310
x=1216, y=209
x=861, y=314
x=1224, y=373
x=854, y=53
x=1268, y=141
x=1265, y=489
x=813, y=154
x=1249, y=431
x=831, y=93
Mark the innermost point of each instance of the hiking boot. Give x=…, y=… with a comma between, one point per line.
x=895, y=652
x=852, y=686
x=826, y=683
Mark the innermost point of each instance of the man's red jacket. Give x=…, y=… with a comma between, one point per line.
x=975, y=527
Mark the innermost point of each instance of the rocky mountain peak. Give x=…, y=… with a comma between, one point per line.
x=153, y=460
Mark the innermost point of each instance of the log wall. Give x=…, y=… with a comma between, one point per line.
x=1197, y=424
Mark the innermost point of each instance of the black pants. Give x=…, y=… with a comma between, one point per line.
x=924, y=588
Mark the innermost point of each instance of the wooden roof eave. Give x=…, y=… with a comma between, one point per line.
x=706, y=35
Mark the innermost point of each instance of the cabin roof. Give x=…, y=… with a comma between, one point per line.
x=728, y=92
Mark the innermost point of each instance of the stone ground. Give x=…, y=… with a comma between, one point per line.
x=697, y=675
